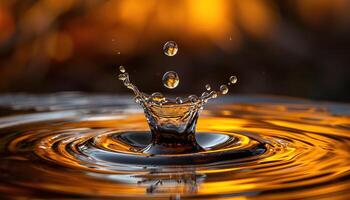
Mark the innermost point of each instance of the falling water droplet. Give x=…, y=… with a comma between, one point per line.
x=122, y=69
x=223, y=89
x=170, y=48
x=207, y=87
x=233, y=79
x=171, y=80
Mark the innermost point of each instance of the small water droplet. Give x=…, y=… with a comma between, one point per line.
x=214, y=94
x=158, y=97
x=223, y=89
x=233, y=79
x=178, y=100
x=207, y=87
x=122, y=77
x=137, y=100
x=122, y=69
x=171, y=80
x=170, y=48
x=205, y=94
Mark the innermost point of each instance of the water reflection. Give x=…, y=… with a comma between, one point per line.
x=59, y=153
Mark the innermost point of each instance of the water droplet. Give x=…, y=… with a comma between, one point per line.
x=122, y=69
x=170, y=48
x=233, y=79
x=122, y=77
x=214, y=94
x=204, y=94
x=158, y=97
x=137, y=100
x=129, y=85
x=207, y=87
x=178, y=100
x=223, y=89
x=171, y=80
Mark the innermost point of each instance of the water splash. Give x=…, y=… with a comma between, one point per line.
x=172, y=121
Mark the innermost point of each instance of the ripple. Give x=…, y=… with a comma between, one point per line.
x=253, y=150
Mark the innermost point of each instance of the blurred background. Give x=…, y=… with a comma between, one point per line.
x=298, y=48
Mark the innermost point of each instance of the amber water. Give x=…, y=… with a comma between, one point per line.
x=70, y=146
x=172, y=121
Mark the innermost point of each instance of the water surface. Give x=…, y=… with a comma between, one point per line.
x=72, y=145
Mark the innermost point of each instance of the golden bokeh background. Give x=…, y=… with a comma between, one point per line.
x=293, y=47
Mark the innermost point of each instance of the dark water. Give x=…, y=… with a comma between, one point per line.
x=68, y=146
